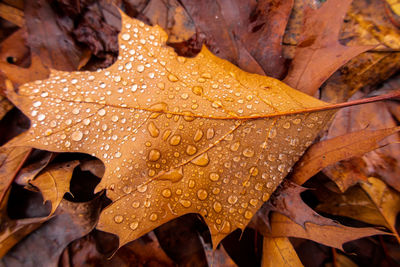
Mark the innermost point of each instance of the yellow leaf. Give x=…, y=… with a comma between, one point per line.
x=278, y=251
x=54, y=182
x=177, y=135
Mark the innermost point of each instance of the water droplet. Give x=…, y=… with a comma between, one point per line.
x=191, y=183
x=253, y=202
x=201, y=160
x=166, y=134
x=135, y=204
x=153, y=217
x=225, y=228
x=265, y=197
x=191, y=150
x=172, y=78
x=153, y=130
x=166, y=193
x=185, y=203
x=216, y=191
x=175, y=140
x=77, y=136
x=118, y=218
x=174, y=175
x=134, y=225
x=253, y=171
x=248, y=152
x=184, y=96
x=140, y=68
x=217, y=206
x=197, y=90
x=210, y=133
x=154, y=155
x=114, y=118
x=125, y=36
x=281, y=168
x=127, y=189
x=235, y=146
x=248, y=214
x=85, y=122
x=232, y=199
x=198, y=135
x=272, y=133
x=41, y=117
x=37, y=104
x=296, y=121
x=118, y=154
x=286, y=125
x=202, y=194
x=214, y=176
x=142, y=188
x=102, y=112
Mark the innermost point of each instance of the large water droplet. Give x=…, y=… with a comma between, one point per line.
x=77, y=136
x=185, y=203
x=166, y=193
x=154, y=155
x=217, y=206
x=235, y=146
x=118, y=218
x=214, y=176
x=174, y=175
x=210, y=133
x=172, y=78
x=153, y=217
x=197, y=90
x=248, y=214
x=202, y=194
x=175, y=140
x=248, y=152
x=198, y=135
x=232, y=199
x=201, y=160
x=153, y=130
x=191, y=150
x=134, y=225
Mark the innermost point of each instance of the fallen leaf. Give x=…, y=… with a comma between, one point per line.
x=330, y=235
x=382, y=162
x=38, y=160
x=342, y=261
x=12, y=14
x=145, y=251
x=173, y=133
x=54, y=182
x=379, y=205
x=319, y=53
x=13, y=231
x=95, y=166
x=44, y=246
x=386, y=200
x=247, y=33
x=5, y=106
x=48, y=36
x=287, y=201
x=278, y=251
x=11, y=160
x=327, y=152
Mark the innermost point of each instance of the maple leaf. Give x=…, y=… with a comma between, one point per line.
x=176, y=135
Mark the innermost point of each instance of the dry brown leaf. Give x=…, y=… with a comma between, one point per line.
x=12, y=14
x=38, y=160
x=5, y=106
x=278, y=251
x=319, y=53
x=383, y=162
x=378, y=204
x=54, y=182
x=327, y=152
x=386, y=200
x=173, y=132
x=13, y=231
x=333, y=236
x=44, y=246
x=11, y=160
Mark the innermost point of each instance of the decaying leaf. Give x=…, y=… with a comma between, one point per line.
x=278, y=251
x=319, y=46
x=373, y=203
x=5, y=106
x=329, y=235
x=176, y=135
x=11, y=160
x=13, y=231
x=54, y=182
x=44, y=246
x=327, y=152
